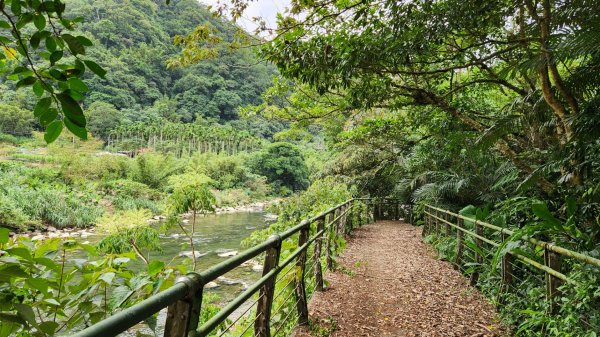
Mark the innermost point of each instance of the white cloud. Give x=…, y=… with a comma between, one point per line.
x=265, y=9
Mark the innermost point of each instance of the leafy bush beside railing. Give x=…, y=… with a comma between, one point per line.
x=44, y=291
x=514, y=271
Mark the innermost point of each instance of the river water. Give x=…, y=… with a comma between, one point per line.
x=215, y=234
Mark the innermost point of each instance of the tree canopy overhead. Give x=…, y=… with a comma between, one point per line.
x=519, y=74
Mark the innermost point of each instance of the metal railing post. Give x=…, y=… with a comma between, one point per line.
x=300, y=285
x=438, y=232
x=478, y=257
x=506, y=266
x=426, y=222
x=183, y=315
x=460, y=243
x=342, y=223
x=262, y=326
x=552, y=260
x=448, y=228
x=318, y=266
x=360, y=214
x=350, y=218
x=328, y=244
x=372, y=210
x=345, y=218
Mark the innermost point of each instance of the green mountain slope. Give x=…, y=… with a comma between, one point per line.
x=133, y=40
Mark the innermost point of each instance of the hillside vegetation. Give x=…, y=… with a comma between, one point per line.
x=133, y=41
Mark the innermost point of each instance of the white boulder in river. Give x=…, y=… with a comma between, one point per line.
x=228, y=281
x=211, y=285
x=257, y=268
x=228, y=254
x=190, y=254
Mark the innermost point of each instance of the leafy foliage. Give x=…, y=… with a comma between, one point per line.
x=191, y=193
x=128, y=231
x=283, y=165
x=112, y=55
x=42, y=293
x=41, y=52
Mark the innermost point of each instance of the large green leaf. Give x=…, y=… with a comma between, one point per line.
x=155, y=267
x=26, y=82
x=39, y=284
x=77, y=84
x=53, y=130
x=71, y=109
x=56, y=56
x=49, y=327
x=21, y=252
x=48, y=116
x=95, y=68
x=74, y=44
x=542, y=211
x=75, y=129
x=26, y=312
x=39, y=21
x=42, y=106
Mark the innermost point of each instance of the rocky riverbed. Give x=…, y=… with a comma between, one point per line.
x=83, y=233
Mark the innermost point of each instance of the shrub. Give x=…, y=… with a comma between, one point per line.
x=12, y=216
x=231, y=197
x=128, y=231
x=128, y=203
x=51, y=204
x=82, y=167
x=58, y=208
x=9, y=139
x=257, y=186
x=154, y=169
x=283, y=165
x=15, y=120
x=227, y=171
x=129, y=188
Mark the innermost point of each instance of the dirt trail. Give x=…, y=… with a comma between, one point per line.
x=389, y=283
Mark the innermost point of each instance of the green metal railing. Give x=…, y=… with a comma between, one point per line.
x=303, y=267
x=476, y=246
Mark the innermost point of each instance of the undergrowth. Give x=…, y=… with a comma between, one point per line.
x=523, y=305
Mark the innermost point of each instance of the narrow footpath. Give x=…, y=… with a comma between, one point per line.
x=389, y=283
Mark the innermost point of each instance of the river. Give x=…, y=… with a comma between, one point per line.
x=215, y=234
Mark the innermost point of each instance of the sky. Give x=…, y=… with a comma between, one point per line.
x=266, y=9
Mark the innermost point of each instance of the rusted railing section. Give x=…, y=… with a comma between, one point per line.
x=552, y=254
x=184, y=299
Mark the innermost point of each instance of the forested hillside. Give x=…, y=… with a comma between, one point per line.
x=133, y=40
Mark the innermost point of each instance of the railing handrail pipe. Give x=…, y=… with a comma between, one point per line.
x=187, y=285
x=542, y=244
